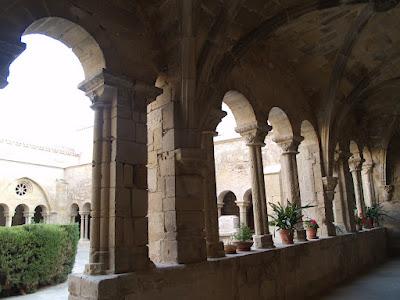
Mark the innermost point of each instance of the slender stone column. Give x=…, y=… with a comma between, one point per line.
x=255, y=136
x=215, y=248
x=86, y=233
x=329, y=184
x=243, y=207
x=289, y=175
x=82, y=233
x=28, y=218
x=8, y=220
x=220, y=205
x=368, y=183
x=344, y=199
x=355, y=169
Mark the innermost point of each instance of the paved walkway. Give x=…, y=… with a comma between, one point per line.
x=382, y=283
x=60, y=291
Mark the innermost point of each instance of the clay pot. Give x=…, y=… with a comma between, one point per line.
x=244, y=246
x=311, y=234
x=369, y=223
x=230, y=249
x=286, y=236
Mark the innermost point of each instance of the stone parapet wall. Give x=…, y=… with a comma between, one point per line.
x=292, y=272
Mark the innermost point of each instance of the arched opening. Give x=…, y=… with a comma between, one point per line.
x=75, y=216
x=281, y=126
x=229, y=207
x=3, y=214
x=309, y=170
x=40, y=214
x=250, y=213
x=21, y=215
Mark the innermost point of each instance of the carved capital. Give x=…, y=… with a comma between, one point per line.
x=212, y=120
x=254, y=134
x=367, y=167
x=8, y=53
x=289, y=145
x=329, y=183
x=355, y=163
x=243, y=204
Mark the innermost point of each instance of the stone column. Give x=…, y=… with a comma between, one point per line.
x=355, y=169
x=82, y=233
x=8, y=220
x=289, y=175
x=243, y=207
x=215, y=248
x=118, y=237
x=8, y=53
x=368, y=183
x=255, y=136
x=329, y=184
x=344, y=199
x=220, y=205
x=86, y=226
x=28, y=218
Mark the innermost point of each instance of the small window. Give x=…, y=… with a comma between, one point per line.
x=21, y=189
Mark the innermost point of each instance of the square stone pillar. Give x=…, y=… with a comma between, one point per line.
x=118, y=237
x=176, y=184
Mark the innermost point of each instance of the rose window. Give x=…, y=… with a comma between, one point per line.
x=21, y=189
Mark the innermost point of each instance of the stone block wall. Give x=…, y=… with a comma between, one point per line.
x=292, y=272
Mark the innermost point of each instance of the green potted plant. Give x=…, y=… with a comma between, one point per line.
x=285, y=218
x=243, y=238
x=373, y=214
x=358, y=222
x=311, y=229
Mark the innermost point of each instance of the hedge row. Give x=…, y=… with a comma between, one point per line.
x=35, y=255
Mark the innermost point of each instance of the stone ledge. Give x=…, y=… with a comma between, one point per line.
x=303, y=269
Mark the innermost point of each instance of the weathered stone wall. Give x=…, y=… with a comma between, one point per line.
x=293, y=272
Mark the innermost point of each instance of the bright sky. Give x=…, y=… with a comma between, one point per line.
x=42, y=104
x=226, y=129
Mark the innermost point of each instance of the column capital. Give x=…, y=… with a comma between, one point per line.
x=242, y=203
x=329, y=183
x=101, y=87
x=342, y=155
x=254, y=134
x=8, y=53
x=367, y=166
x=355, y=163
x=289, y=145
x=212, y=120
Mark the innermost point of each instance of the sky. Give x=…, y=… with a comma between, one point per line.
x=41, y=103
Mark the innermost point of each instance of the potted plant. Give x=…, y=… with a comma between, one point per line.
x=358, y=222
x=311, y=229
x=230, y=248
x=373, y=214
x=285, y=218
x=243, y=238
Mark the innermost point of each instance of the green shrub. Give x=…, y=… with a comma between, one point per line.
x=35, y=255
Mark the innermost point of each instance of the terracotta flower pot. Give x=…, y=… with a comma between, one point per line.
x=230, y=249
x=311, y=234
x=286, y=236
x=244, y=246
x=369, y=223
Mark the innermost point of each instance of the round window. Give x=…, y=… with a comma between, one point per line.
x=21, y=189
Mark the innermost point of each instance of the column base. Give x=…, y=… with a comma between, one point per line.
x=215, y=250
x=301, y=235
x=94, y=269
x=263, y=241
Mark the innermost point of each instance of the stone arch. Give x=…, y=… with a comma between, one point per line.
x=229, y=206
x=4, y=213
x=84, y=46
x=309, y=171
x=40, y=214
x=86, y=207
x=247, y=197
x=281, y=125
x=21, y=214
x=241, y=108
x=74, y=210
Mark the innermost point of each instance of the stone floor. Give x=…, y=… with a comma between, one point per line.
x=60, y=291
x=382, y=283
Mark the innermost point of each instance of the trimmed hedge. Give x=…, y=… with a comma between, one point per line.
x=35, y=255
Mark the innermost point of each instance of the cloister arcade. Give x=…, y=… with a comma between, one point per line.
x=301, y=73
